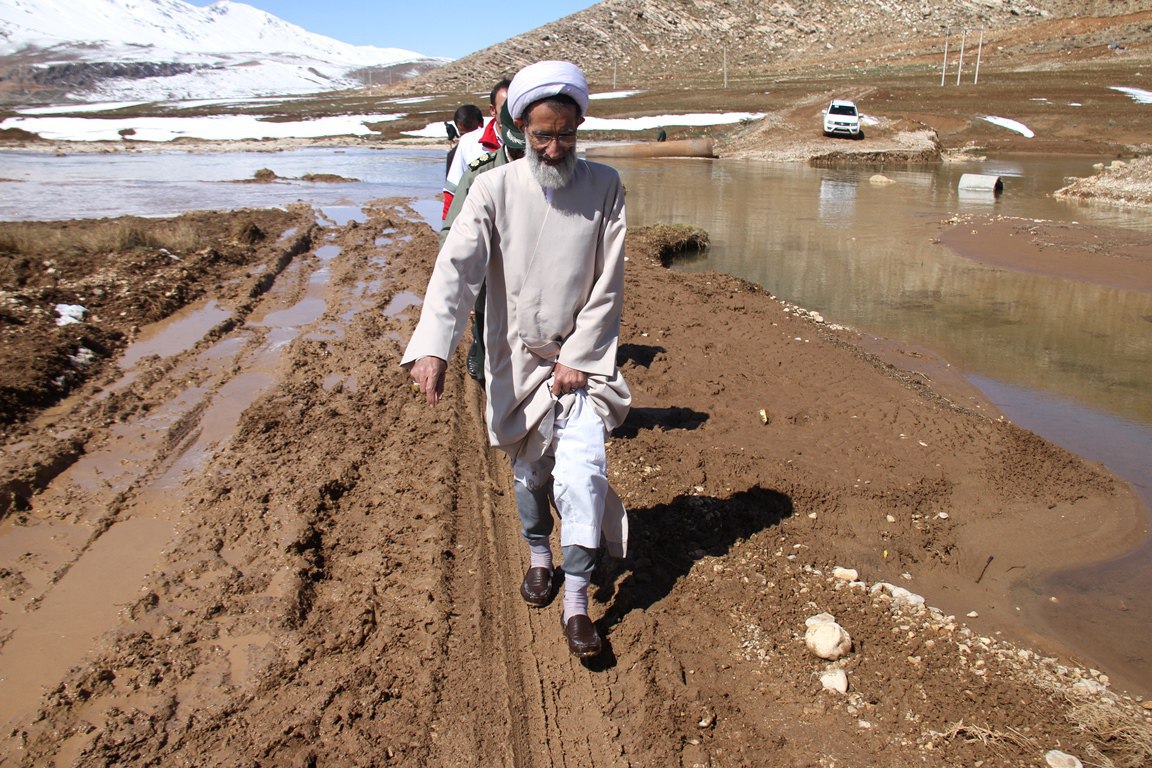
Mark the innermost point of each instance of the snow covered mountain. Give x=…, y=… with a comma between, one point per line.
x=169, y=49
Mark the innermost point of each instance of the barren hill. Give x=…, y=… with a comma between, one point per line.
x=646, y=42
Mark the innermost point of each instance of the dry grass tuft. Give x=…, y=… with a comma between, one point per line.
x=991, y=739
x=1121, y=740
x=46, y=240
x=667, y=242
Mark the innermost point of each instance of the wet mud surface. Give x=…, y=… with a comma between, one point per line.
x=245, y=541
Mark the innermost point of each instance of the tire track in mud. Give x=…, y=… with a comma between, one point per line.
x=511, y=693
x=99, y=525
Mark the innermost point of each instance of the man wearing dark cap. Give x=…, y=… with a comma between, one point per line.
x=547, y=238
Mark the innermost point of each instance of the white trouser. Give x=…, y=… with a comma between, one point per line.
x=576, y=464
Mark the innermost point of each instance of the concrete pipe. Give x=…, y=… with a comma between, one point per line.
x=978, y=182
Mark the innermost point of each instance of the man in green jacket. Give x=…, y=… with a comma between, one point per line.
x=512, y=148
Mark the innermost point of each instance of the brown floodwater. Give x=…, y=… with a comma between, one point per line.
x=1068, y=360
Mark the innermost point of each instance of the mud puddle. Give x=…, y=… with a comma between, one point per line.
x=104, y=523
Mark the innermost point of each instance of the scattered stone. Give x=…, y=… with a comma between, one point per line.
x=880, y=179
x=1057, y=759
x=1089, y=688
x=834, y=680
x=828, y=640
x=69, y=314
x=819, y=618
x=899, y=594
x=845, y=574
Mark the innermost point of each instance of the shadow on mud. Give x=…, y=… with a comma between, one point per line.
x=667, y=539
x=638, y=354
x=659, y=418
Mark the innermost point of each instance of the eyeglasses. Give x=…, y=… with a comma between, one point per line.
x=565, y=139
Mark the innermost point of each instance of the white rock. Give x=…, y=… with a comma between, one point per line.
x=70, y=313
x=899, y=594
x=845, y=574
x=834, y=680
x=1089, y=688
x=1057, y=759
x=828, y=640
x=879, y=178
x=972, y=615
x=819, y=618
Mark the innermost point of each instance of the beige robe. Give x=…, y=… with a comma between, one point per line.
x=555, y=275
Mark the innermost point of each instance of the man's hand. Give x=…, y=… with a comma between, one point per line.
x=565, y=379
x=428, y=373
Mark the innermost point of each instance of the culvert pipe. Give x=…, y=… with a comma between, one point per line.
x=979, y=182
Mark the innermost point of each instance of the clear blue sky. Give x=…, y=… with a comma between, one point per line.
x=451, y=28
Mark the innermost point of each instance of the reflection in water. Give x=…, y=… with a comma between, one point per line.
x=47, y=187
x=864, y=255
x=868, y=258
x=837, y=201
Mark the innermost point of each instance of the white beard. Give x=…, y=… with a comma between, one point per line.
x=550, y=176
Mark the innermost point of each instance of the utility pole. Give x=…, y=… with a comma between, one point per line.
x=944, y=68
x=960, y=62
x=979, y=50
x=725, y=67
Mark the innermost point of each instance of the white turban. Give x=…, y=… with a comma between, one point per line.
x=543, y=79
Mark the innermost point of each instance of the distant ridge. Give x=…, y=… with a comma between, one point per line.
x=642, y=42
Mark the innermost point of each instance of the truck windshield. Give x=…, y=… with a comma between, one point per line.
x=841, y=109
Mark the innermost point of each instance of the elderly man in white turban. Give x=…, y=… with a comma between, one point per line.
x=547, y=235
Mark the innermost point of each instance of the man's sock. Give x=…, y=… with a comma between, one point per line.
x=540, y=554
x=575, y=596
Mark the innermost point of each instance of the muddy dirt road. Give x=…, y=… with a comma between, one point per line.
x=248, y=542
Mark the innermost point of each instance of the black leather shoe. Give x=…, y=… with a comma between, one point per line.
x=475, y=361
x=583, y=639
x=536, y=589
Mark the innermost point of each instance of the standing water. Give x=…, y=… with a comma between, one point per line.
x=1067, y=360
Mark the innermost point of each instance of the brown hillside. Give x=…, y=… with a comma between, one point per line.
x=647, y=42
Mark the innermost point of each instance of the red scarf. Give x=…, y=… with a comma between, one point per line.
x=490, y=139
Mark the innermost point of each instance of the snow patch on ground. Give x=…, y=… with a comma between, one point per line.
x=612, y=95
x=436, y=130
x=657, y=121
x=1011, y=125
x=215, y=127
x=1138, y=95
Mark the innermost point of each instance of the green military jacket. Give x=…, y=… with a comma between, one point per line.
x=485, y=162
